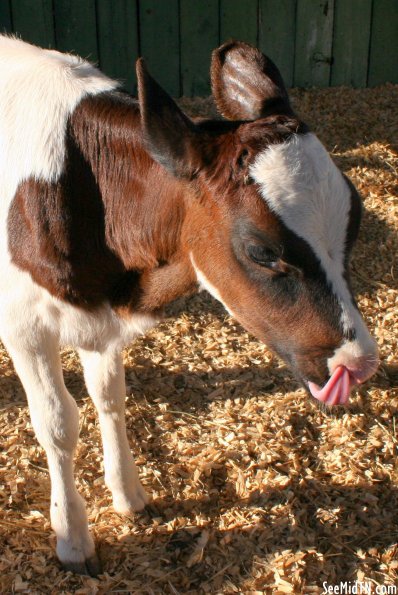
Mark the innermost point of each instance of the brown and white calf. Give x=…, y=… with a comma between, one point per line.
x=110, y=208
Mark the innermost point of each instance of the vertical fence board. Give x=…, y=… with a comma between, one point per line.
x=238, y=20
x=5, y=17
x=313, y=42
x=75, y=27
x=277, y=34
x=351, y=41
x=383, y=65
x=34, y=21
x=117, y=24
x=199, y=36
x=159, y=27
x=314, y=34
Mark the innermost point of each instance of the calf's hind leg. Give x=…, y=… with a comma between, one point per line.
x=104, y=375
x=55, y=419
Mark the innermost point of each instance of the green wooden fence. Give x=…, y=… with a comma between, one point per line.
x=314, y=42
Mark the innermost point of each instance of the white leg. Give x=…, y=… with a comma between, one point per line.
x=54, y=416
x=104, y=375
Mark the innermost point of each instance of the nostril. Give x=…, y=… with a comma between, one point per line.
x=362, y=368
x=359, y=376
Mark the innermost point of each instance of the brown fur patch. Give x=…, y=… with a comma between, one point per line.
x=109, y=230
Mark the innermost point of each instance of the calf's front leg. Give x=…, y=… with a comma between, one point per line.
x=104, y=376
x=55, y=419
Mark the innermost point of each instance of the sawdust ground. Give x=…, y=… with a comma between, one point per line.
x=255, y=488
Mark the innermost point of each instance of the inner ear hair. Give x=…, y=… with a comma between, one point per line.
x=246, y=84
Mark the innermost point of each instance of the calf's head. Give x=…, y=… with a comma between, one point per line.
x=270, y=220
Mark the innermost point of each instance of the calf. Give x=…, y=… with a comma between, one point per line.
x=110, y=208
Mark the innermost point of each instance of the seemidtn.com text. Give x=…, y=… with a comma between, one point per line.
x=358, y=588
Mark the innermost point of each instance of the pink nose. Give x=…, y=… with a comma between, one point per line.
x=362, y=369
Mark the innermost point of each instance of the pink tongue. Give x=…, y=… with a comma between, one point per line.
x=337, y=389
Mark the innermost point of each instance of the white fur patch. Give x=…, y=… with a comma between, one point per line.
x=302, y=185
x=305, y=189
x=39, y=89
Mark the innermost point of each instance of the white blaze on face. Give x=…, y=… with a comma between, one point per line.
x=302, y=185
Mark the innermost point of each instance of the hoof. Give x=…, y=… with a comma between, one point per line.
x=135, y=502
x=90, y=567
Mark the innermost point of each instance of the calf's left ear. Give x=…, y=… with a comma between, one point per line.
x=170, y=136
x=246, y=84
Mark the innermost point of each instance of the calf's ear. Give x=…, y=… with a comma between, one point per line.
x=170, y=136
x=246, y=84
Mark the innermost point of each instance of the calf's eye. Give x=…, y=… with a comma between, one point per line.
x=262, y=255
x=242, y=159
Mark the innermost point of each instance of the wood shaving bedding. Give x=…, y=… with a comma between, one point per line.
x=256, y=489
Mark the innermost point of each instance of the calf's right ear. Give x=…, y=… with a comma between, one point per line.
x=246, y=84
x=170, y=136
